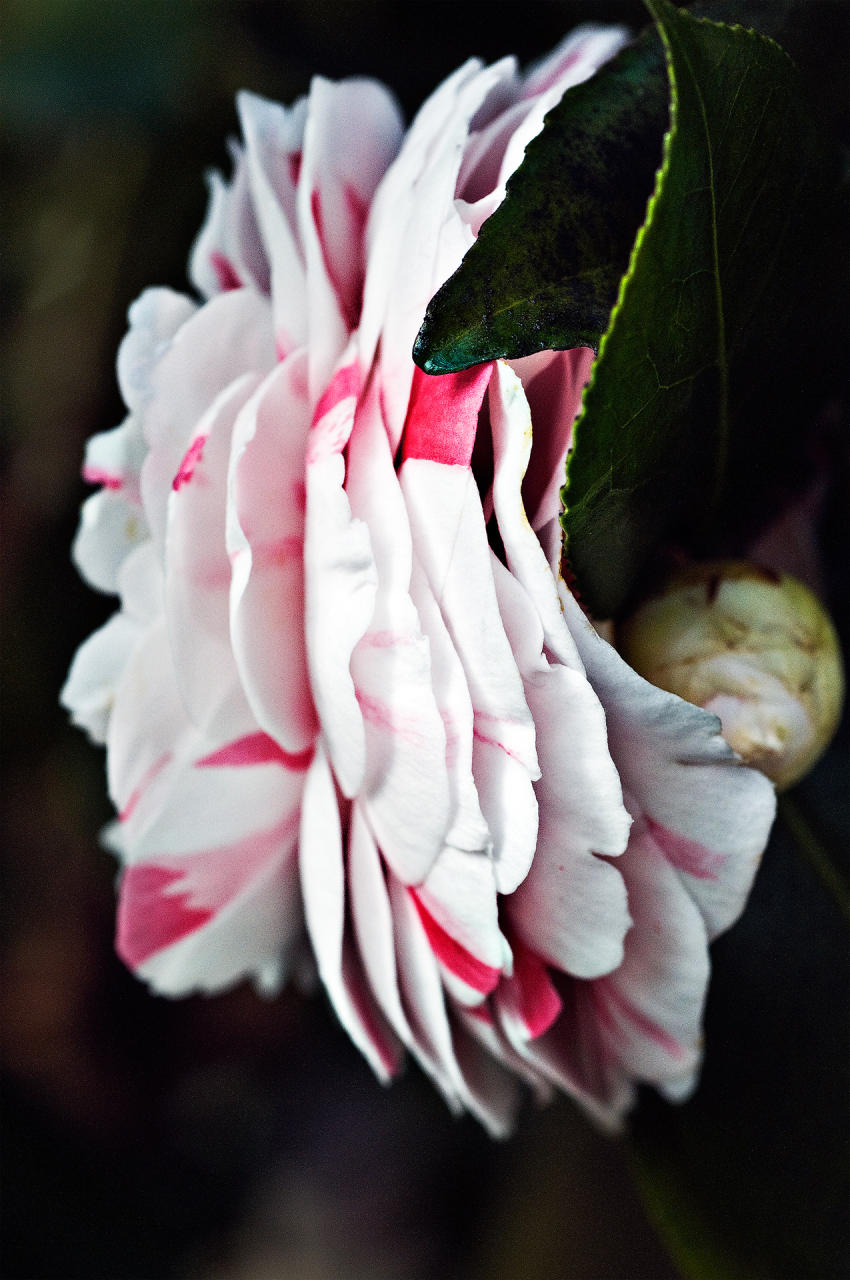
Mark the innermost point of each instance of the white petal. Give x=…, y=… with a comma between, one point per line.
x=89, y=691
x=155, y=318
x=197, y=568
x=265, y=542
x=340, y=581
x=352, y=132
x=110, y=528
x=416, y=237
x=323, y=887
x=228, y=338
x=406, y=791
x=712, y=815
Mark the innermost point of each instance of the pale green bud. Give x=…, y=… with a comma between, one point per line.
x=757, y=649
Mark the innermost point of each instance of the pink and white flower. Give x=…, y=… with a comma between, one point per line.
x=352, y=713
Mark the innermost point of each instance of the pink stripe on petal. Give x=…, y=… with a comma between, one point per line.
x=606, y=996
x=494, y=742
x=97, y=475
x=539, y=1002
x=344, y=384
x=256, y=748
x=442, y=415
x=295, y=167
x=687, y=855
x=192, y=457
x=462, y=963
x=481, y=1012
x=147, y=778
x=149, y=917
x=225, y=272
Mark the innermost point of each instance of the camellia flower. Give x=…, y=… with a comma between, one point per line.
x=353, y=716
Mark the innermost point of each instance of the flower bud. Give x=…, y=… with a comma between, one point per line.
x=757, y=649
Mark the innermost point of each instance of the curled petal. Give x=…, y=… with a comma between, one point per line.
x=265, y=545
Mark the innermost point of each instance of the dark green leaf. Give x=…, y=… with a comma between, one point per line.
x=713, y=278
x=545, y=269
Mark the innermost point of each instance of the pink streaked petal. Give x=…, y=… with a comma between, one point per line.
x=576, y=58
x=528, y=996
x=681, y=774
x=650, y=1011
x=114, y=459
x=135, y=743
x=272, y=133
x=191, y=458
x=483, y=1027
x=249, y=890
x=511, y=425
x=265, y=542
x=225, y=272
x=229, y=251
x=197, y=568
x=255, y=748
x=373, y=922
x=136, y=795
x=416, y=237
x=423, y=995
x=574, y=1055
x=687, y=855
x=333, y=419
x=468, y=829
x=351, y=135
x=406, y=791
x=442, y=418
x=492, y=1091
x=323, y=888
x=228, y=340
x=553, y=382
x=153, y=913
x=483, y=978
x=572, y=906
x=506, y=794
x=450, y=542
x=97, y=475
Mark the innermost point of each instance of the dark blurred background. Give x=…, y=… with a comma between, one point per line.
x=231, y=1137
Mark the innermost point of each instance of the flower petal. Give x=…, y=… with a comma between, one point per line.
x=323, y=887
x=265, y=542
x=406, y=792
x=684, y=777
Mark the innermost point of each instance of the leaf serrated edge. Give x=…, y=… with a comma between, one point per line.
x=623, y=288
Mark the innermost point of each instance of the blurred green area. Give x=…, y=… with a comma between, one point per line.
x=232, y=1137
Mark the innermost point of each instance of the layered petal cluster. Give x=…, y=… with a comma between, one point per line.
x=354, y=720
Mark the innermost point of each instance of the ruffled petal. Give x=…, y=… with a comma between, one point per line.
x=415, y=236
x=265, y=544
x=211, y=892
x=88, y=693
x=273, y=141
x=229, y=252
x=710, y=815
x=353, y=131
x=226, y=339
x=406, y=792
x=323, y=887
x=110, y=529
x=155, y=319
x=197, y=567
x=340, y=581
